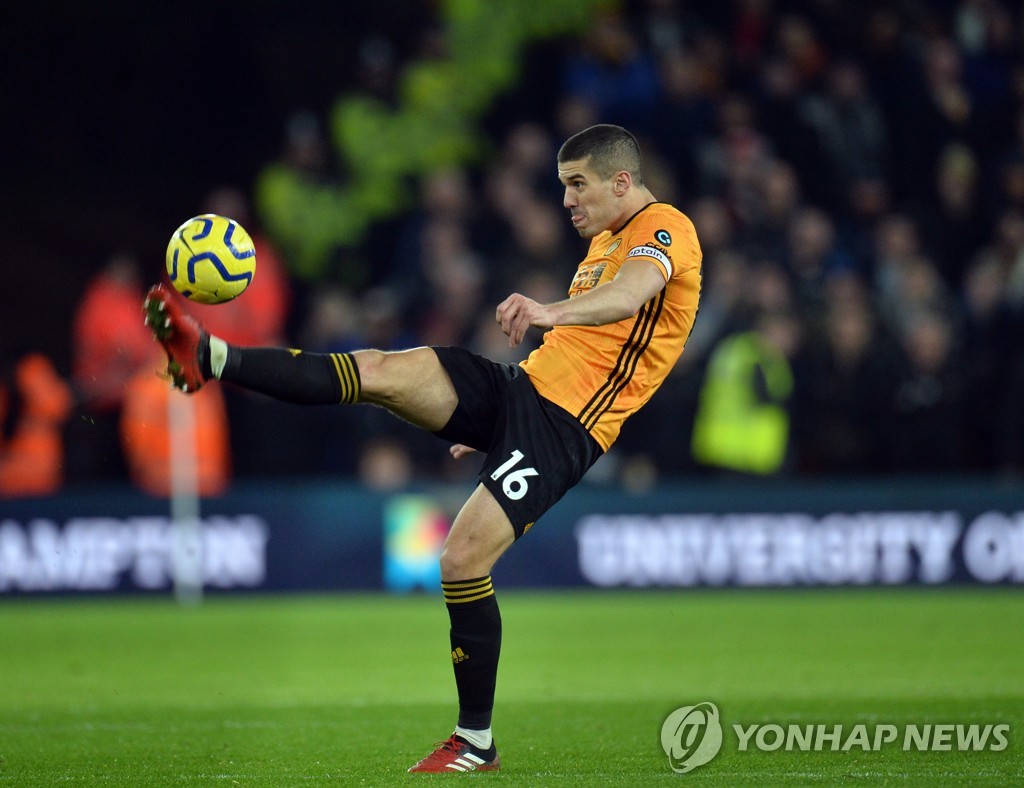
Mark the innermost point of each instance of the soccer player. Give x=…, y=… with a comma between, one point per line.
x=541, y=423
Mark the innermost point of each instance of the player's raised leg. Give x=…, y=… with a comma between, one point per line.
x=479, y=536
x=411, y=383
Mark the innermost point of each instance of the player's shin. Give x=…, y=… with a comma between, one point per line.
x=290, y=375
x=476, y=645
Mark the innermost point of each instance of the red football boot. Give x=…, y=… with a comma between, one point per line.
x=458, y=755
x=181, y=336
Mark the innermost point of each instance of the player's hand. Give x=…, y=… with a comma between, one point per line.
x=458, y=451
x=516, y=314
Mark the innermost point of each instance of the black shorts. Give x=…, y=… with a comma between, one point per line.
x=535, y=450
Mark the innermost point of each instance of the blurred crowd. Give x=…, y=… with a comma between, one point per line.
x=855, y=172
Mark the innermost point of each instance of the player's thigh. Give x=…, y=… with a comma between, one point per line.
x=480, y=534
x=539, y=453
x=410, y=383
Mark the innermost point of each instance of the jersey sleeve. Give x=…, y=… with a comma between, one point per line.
x=669, y=241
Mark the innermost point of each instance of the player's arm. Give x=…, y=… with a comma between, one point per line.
x=636, y=283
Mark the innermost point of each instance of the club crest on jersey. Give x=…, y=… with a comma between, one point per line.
x=663, y=237
x=613, y=247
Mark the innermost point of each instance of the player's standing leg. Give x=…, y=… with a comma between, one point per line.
x=480, y=534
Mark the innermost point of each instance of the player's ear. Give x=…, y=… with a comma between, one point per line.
x=621, y=182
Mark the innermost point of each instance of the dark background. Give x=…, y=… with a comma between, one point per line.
x=119, y=116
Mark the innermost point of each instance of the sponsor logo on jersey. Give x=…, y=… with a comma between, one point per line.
x=588, y=276
x=663, y=237
x=613, y=247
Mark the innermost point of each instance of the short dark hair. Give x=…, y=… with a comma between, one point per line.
x=610, y=149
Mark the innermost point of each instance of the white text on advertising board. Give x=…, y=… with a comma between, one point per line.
x=799, y=549
x=103, y=553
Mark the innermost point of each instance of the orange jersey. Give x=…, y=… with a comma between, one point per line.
x=603, y=374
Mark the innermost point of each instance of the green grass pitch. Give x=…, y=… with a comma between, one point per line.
x=352, y=689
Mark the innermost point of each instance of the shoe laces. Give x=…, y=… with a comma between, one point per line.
x=442, y=748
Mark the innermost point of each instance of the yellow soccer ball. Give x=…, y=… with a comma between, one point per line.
x=211, y=259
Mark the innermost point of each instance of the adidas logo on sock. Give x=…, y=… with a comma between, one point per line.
x=459, y=656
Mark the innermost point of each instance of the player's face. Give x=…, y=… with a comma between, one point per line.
x=590, y=200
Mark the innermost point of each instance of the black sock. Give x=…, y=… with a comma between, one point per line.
x=203, y=356
x=476, y=644
x=294, y=376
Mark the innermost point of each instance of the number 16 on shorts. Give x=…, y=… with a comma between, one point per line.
x=514, y=485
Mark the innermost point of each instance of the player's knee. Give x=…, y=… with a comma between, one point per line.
x=377, y=375
x=370, y=364
x=388, y=377
x=459, y=562
x=451, y=563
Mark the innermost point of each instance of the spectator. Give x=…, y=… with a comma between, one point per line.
x=986, y=36
x=814, y=256
x=1006, y=248
x=445, y=195
x=780, y=99
x=385, y=465
x=927, y=435
x=574, y=113
x=764, y=234
x=455, y=282
x=942, y=112
x=110, y=345
x=742, y=421
x=897, y=246
x=334, y=322
x=613, y=73
x=717, y=225
x=750, y=30
x=725, y=305
x=892, y=65
x=990, y=356
x=528, y=150
x=798, y=42
x=294, y=195
x=35, y=402
x=666, y=27
x=845, y=398
x=1010, y=181
x=684, y=116
x=151, y=434
x=849, y=129
x=536, y=244
x=952, y=220
x=868, y=201
x=730, y=162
